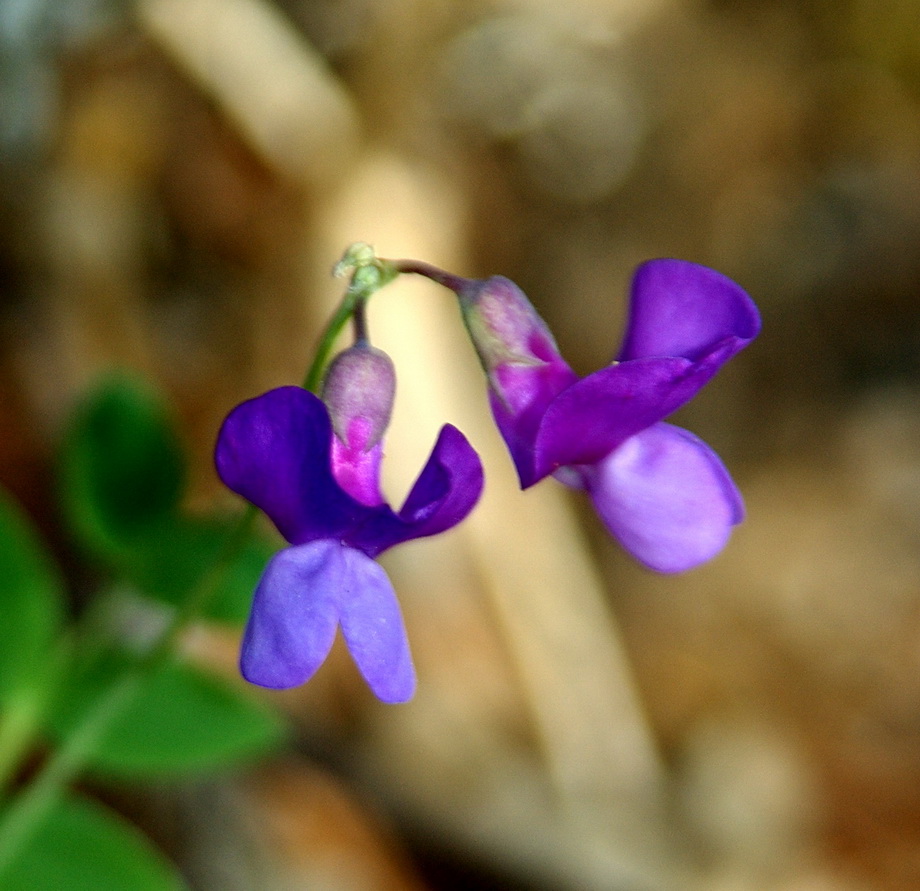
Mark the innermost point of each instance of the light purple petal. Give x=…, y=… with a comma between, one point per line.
x=592, y=418
x=305, y=592
x=446, y=490
x=667, y=497
x=274, y=450
x=373, y=628
x=683, y=309
x=294, y=615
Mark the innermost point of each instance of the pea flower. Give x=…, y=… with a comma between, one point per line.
x=313, y=467
x=661, y=491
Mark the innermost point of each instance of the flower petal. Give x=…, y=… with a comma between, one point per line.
x=358, y=471
x=274, y=450
x=373, y=628
x=667, y=497
x=294, y=615
x=446, y=490
x=593, y=417
x=519, y=396
x=683, y=309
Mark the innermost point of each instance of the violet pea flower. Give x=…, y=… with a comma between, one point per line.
x=313, y=468
x=663, y=493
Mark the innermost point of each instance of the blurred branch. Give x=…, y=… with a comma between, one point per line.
x=277, y=90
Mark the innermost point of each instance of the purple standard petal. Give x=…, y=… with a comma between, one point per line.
x=274, y=450
x=667, y=497
x=683, y=309
x=294, y=615
x=446, y=490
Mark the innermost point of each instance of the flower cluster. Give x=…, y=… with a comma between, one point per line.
x=312, y=464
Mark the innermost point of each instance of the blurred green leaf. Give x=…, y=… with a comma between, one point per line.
x=122, y=473
x=31, y=605
x=121, y=466
x=180, y=721
x=83, y=846
x=171, y=561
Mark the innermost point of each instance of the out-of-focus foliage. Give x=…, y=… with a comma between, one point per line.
x=85, y=847
x=32, y=606
x=179, y=721
x=121, y=477
x=121, y=467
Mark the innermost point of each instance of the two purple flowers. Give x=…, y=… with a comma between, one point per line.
x=312, y=464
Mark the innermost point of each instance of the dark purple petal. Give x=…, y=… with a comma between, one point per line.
x=294, y=615
x=683, y=309
x=372, y=626
x=448, y=487
x=519, y=396
x=590, y=419
x=274, y=450
x=667, y=497
x=446, y=490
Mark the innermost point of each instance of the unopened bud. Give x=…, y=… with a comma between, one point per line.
x=359, y=390
x=503, y=325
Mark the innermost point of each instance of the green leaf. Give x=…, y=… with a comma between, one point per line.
x=171, y=561
x=181, y=721
x=31, y=605
x=121, y=466
x=83, y=846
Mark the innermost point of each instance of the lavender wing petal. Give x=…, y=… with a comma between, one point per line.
x=683, y=309
x=373, y=628
x=274, y=450
x=294, y=615
x=667, y=497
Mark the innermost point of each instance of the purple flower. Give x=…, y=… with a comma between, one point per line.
x=313, y=469
x=661, y=491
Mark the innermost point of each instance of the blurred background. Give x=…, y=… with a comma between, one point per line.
x=178, y=177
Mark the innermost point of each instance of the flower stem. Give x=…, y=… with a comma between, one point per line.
x=368, y=275
x=419, y=267
x=26, y=811
x=334, y=327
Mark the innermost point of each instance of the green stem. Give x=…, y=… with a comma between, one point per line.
x=327, y=341
x=26, y=811
x=366, y=279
